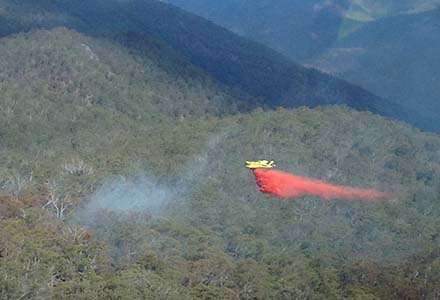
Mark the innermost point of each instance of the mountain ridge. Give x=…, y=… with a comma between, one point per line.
x=268, y=77
x=300, y=30
x=395, y=58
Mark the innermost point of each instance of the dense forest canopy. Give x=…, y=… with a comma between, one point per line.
x=122, y=177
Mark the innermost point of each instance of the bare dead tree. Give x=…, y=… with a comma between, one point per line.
x=78, y=167
x=57, y=202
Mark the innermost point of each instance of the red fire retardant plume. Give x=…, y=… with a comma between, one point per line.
x=286, y=185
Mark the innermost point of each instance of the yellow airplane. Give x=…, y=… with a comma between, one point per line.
x=261, y=164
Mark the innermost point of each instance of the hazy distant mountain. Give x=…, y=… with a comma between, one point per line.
x=367, y=10
x=362, y=12
x=396, y=58
x=236, y=62
x=297, y=28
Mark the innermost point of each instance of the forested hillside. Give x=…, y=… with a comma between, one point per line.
x=168, y=211
x=66, y=68
x=122, y=167
x=236, y=62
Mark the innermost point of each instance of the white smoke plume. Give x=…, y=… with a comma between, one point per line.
x=137, y=193
x=142, y=193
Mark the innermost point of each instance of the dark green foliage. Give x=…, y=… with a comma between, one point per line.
x=40, y=258
x=414, y=278
x=221, y=239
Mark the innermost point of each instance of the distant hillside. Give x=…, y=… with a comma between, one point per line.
x=361, y=12
x=395, y=58
x=236, y=62
x=300, y=29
